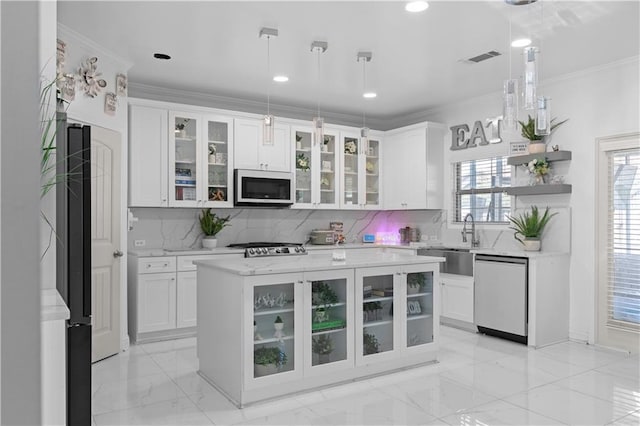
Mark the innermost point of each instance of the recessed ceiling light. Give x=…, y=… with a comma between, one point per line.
x=161, y=56
x=416, y=6
x=280, y=78
x=521, y=42
x=369, y=95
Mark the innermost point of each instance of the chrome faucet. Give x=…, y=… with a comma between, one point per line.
x=475, y=242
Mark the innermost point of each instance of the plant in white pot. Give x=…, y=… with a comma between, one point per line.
x=537, y=143
x=267, y=360
x=211, y=225
x=530, y=226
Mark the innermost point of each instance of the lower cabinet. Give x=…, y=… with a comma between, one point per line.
x=456, y=298
x=163, y=296
x=310, y=329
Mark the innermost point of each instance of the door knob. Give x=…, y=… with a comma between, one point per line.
x=118, y=253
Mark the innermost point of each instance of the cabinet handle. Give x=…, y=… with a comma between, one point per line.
x=266, y=166
x=300, y=282
x=148, y=266
x=166, y=264
x=173, y=279
x=398, y=273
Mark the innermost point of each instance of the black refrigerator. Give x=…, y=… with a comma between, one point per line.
x=73, y=260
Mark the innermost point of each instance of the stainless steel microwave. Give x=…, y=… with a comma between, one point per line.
x=263, y=188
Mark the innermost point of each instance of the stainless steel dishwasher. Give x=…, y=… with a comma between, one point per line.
x=500, y=305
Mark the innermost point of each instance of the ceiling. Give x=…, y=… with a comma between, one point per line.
x=417, y=58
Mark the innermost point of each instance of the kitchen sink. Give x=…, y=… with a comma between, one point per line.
x=458, y=261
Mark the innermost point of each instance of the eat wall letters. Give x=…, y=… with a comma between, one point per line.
x=458, y=134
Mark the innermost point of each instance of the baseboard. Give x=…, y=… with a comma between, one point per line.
x=124, y=343
x=579, y=336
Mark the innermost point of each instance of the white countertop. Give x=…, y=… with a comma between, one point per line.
x=314, y=262
x=52, y=307
x=518, y=253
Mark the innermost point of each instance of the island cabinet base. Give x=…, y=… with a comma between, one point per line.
x=264, y=334
x=328, y=381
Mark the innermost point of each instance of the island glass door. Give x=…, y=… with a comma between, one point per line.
x=275, y=330
x=376, y=292
x=329, y=317
x=419, y=307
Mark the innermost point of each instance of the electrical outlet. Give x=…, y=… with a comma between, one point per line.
x=139, y=243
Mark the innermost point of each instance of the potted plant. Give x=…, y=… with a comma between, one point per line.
x=180, y=128
x=539, y=168
x=530, y=227
x=211, y=225
x=212, y=153
x=537, y=143
x=415, y=283
x=267, y=360
x=302, y=162
x=323, y=346
x=370, y=344
x=325, y=144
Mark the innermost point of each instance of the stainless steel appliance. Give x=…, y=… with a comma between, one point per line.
x=500, y=306
x=263, y=249
x=263, y=188
x=322, y=237
x=73, y=261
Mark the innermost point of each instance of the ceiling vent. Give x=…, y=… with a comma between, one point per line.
x=482, y=57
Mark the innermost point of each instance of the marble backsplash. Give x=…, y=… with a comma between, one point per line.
x=178, y=228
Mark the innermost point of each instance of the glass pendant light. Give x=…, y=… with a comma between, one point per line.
x=318, y=122
x=510, y=97
x=268, y=120
x=530, y=76
x=543, y=117
x=364, y=131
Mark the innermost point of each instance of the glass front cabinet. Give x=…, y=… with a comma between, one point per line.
x=360, y=172
x=394, y=312
x=316, y=169
x=275, y=329
x=200, y=174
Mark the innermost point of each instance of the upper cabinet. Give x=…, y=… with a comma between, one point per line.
x=199, y=158
x=316, y=169
x=360, y=172
x=148, y=149
x=413, y=168
x=252, y=153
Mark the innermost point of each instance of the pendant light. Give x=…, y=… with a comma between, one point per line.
x=318, y=122
x=543, y=108
x=364, y=131
x=268, y=120
x=530, y=77
x=510, y=97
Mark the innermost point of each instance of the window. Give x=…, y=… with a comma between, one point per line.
x=479, y=190
x=624, y=239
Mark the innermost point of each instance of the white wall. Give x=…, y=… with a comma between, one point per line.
x=91, y=111
x=19, y=214
x=598, y=102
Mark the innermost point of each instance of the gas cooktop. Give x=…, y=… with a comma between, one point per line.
x=262, y=249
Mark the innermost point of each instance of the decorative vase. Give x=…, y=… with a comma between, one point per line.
x=209, y=242
x=260, y=370
x=537, y=147
x=324, y=358
x=539, y=179
x=531, y=244
x=413, y=289
x=278, y=326
x=182, y=133
x=212, y=158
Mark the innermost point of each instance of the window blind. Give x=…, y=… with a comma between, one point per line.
x=623, y=248
x=479, y=190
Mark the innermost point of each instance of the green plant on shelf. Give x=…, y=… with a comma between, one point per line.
x=416, y=281
x=322, y=345
x=323, y=294
x=370, y=344
x=302, y=162
x=267, y=355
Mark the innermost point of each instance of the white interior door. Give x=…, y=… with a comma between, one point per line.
x=105, y=242
x=618, y=242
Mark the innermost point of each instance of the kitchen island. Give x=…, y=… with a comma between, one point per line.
x=269, y=327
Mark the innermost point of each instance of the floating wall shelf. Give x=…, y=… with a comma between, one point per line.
x=539, y=189
x=550, y=156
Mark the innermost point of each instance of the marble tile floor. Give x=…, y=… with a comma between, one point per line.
x=480, y=380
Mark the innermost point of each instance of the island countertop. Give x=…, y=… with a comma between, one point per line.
x=313, y=262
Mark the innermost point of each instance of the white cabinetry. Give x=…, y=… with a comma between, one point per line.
x=251, y=153
x=317, y=184
x=324, y=323
x=456, y=298
x=413, y=167
x=196, y=178
x=162, y=296
x=148, y=150
x=360, y=172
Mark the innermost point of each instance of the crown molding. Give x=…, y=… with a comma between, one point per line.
x=65, y=33
x=166, y=94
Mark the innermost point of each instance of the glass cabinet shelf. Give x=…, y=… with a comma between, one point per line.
x=288, y=335
x=270, y=311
